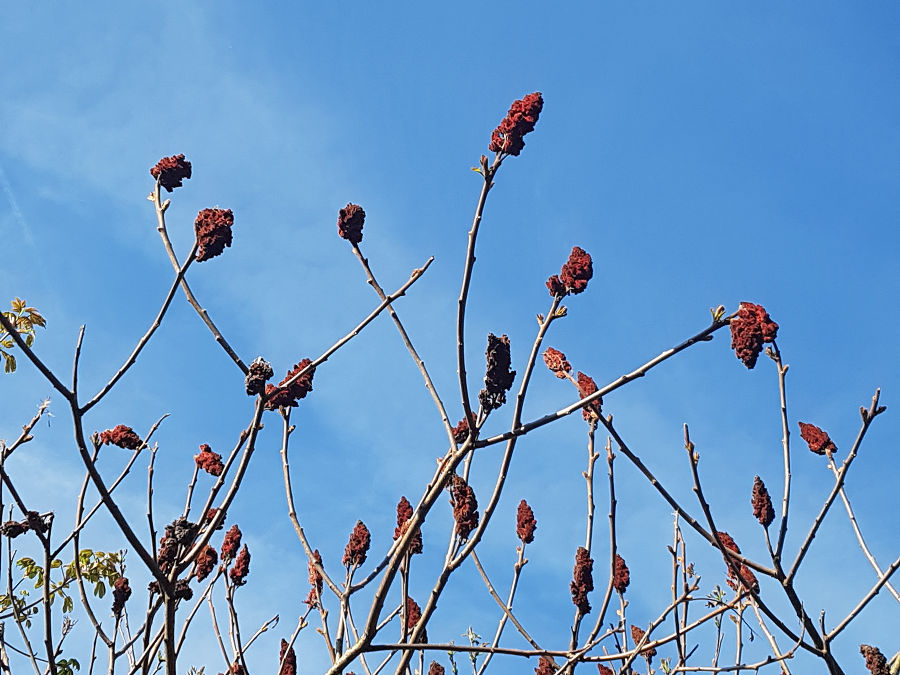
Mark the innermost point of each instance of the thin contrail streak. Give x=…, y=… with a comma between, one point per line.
x=14, y=205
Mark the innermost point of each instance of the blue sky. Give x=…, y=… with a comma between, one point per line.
x=702, y=153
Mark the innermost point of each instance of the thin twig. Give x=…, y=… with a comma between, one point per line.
x=271, y=623
x=216, y=631
x=488, y=174
x=29, y=353
x=786, y=449
x=502, y=473
x=507, y=606
x=160, y=208
x=864, y=601
x=420, y=364
x=292, y=510
x=157, y=322
x=703, y=336
x=867, y=418
x=859, y=536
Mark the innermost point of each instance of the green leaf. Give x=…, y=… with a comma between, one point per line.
x=68, y=605
x=100, y=589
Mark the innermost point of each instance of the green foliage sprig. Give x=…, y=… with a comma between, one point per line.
x=24, y=319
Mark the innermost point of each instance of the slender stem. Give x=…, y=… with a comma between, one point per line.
x=507, y=606
x=486, y=186
x=76, y=546
x=385, y=304
x=217, y=632
x=786, y=449
x=16, y=614
x=45, y=371
x=203, y=540
x=868, y=417
x=82, y=521
x=301, y=624
x=111, y=649
x=25, y=436
x=271, y=623
x=292, y=510
x=654, y=481
x=589, y=480
x=676, y=568
x=578, y=657
x=190, y=490
x=607, y=596
x=502, y=474
x=111, y=506
x=207, y=593
x=157, y=322
x=201, y=312
x=771, y=638
x=864, y=601
x=429, y=385
x=47, y=606
x=76, y=359
x=739, y=636
x=703, y=336
x=731, y=560
x=859, y=536
x=235, y=626
x=362, y=657
x=170, y=627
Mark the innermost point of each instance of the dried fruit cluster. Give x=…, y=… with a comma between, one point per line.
x=499, y=376
x=121, y=436
x=316, y=581
x=231, y=544
x=818, y=441
x=121, y=593
x=287, y=395
x=413, y=616
x=574, y=276
x=241, y=567
x=404, y=513
x=170, y=171
x=213, y=230
x=582, y=580
x=33, y=522
x=750, y=329
x=525, y=523
x=288, y=659
x=358, y=546
x=556, y=362
x=258, y=373
x=209, y=461
x=465, y=506
x=586, y=387
x=509, y=136
x=350, y=223
x=621, y=575
x=745, y=578
x=762, y=503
